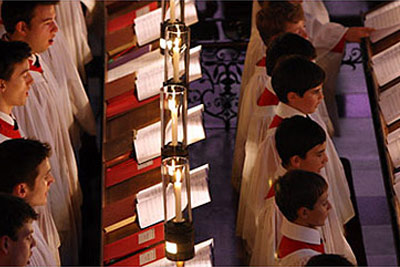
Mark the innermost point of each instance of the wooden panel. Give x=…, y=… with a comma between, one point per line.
x=119, y=86
x=132, y=186
x=121, y=39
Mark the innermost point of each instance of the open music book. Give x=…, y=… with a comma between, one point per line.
x=389, y=102
x=147, y=27
x=386, y=64
x=150, y=71
x=203, y=257
x=150, y=77
x=147, y=142
x=150, y=200
x=386, y=20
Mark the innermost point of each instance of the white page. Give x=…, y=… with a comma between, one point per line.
x=386, y=64
x=393, y=136
x=397, y=177
x=378, y=12
x=382, y=33
x=148, y=139
x=389, y=103
x=147, y=27
x=150, y=77
x=394, y=152
x=203, y=257
x=150, y=206
x=387, y=19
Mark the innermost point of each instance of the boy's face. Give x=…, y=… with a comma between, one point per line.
x=310, y=101
x=315, y=159
x=297, y=28
x=42, y=28
x=317, y=216
x=21, y=250
x=37, y=196
x=15, y=90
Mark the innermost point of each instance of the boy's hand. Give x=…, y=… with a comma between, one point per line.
x=354, y=34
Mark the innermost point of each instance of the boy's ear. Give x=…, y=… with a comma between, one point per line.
x=291, y=96
x=20, y=190
x=4, y=247
x=22, y=28
x=294, y=162
x=302, y=213
x=2, y=85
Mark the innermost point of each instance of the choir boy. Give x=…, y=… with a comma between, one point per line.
x=277, y=18
x=26, y=174
x=47, y=115
x=16, y=231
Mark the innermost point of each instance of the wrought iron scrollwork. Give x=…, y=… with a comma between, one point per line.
x=353, y=58
x=220, y=84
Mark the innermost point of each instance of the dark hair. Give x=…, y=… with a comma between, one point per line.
x=271, y=20
x=296, y=136
x=295, y=74
x=19, y=161
x=15, y=212
x=13, y=12
x=328, y=260
x=296, y=189
x=288, y=44
x=12, y=53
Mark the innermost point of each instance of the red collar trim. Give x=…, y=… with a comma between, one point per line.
x=32, y=67
x=271, y=191
x=288, y=246
x=7, y=130
x=261, y=62
x=267, y=99
x=276, y=121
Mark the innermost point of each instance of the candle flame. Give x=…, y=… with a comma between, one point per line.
x=178, y=176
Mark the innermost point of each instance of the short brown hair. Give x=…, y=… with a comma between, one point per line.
x=272, y=18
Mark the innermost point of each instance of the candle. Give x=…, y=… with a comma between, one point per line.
x=174, y=119
x=175, y=58
x=172, y=10
x=177, y=192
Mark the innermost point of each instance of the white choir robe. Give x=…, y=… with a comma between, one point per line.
x=45, y=219
x=72, y=23
x=256, y=121
x=43, y=118
x=267, y=238
x=78, y=112
x=268, y=162
x=255, y=51
x=325, y=35
x=41, y=253
x=254, y=89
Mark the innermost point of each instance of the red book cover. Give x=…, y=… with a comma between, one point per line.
x=145, y=257
x=125, y=102
x=127, y=19
x=128, y=169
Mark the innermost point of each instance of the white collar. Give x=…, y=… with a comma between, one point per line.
x=285, y=111
x=300, y=233
x=7, y=118
x=269, y=85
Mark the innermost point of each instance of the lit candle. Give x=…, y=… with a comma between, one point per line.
x=177, y=192
x=172, y=10
x=175, y=57
x=174, y=119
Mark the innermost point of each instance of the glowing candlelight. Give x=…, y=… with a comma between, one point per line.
x=175, y=55
x=174, y=119
x=177, y=192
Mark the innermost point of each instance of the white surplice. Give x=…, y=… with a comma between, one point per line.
x=267, y=165
x=41, y=253
x=252, y=128
x=72, y=23
x=78, y=112
x=44, y=117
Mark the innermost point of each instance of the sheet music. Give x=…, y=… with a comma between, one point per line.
x=148, y=139
x=147, y=27
x=203, y=257
x=386, y=64
x=385, y=20
x=389, y=102
x=393, y=136
x=150, y=77
x=150, y=200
